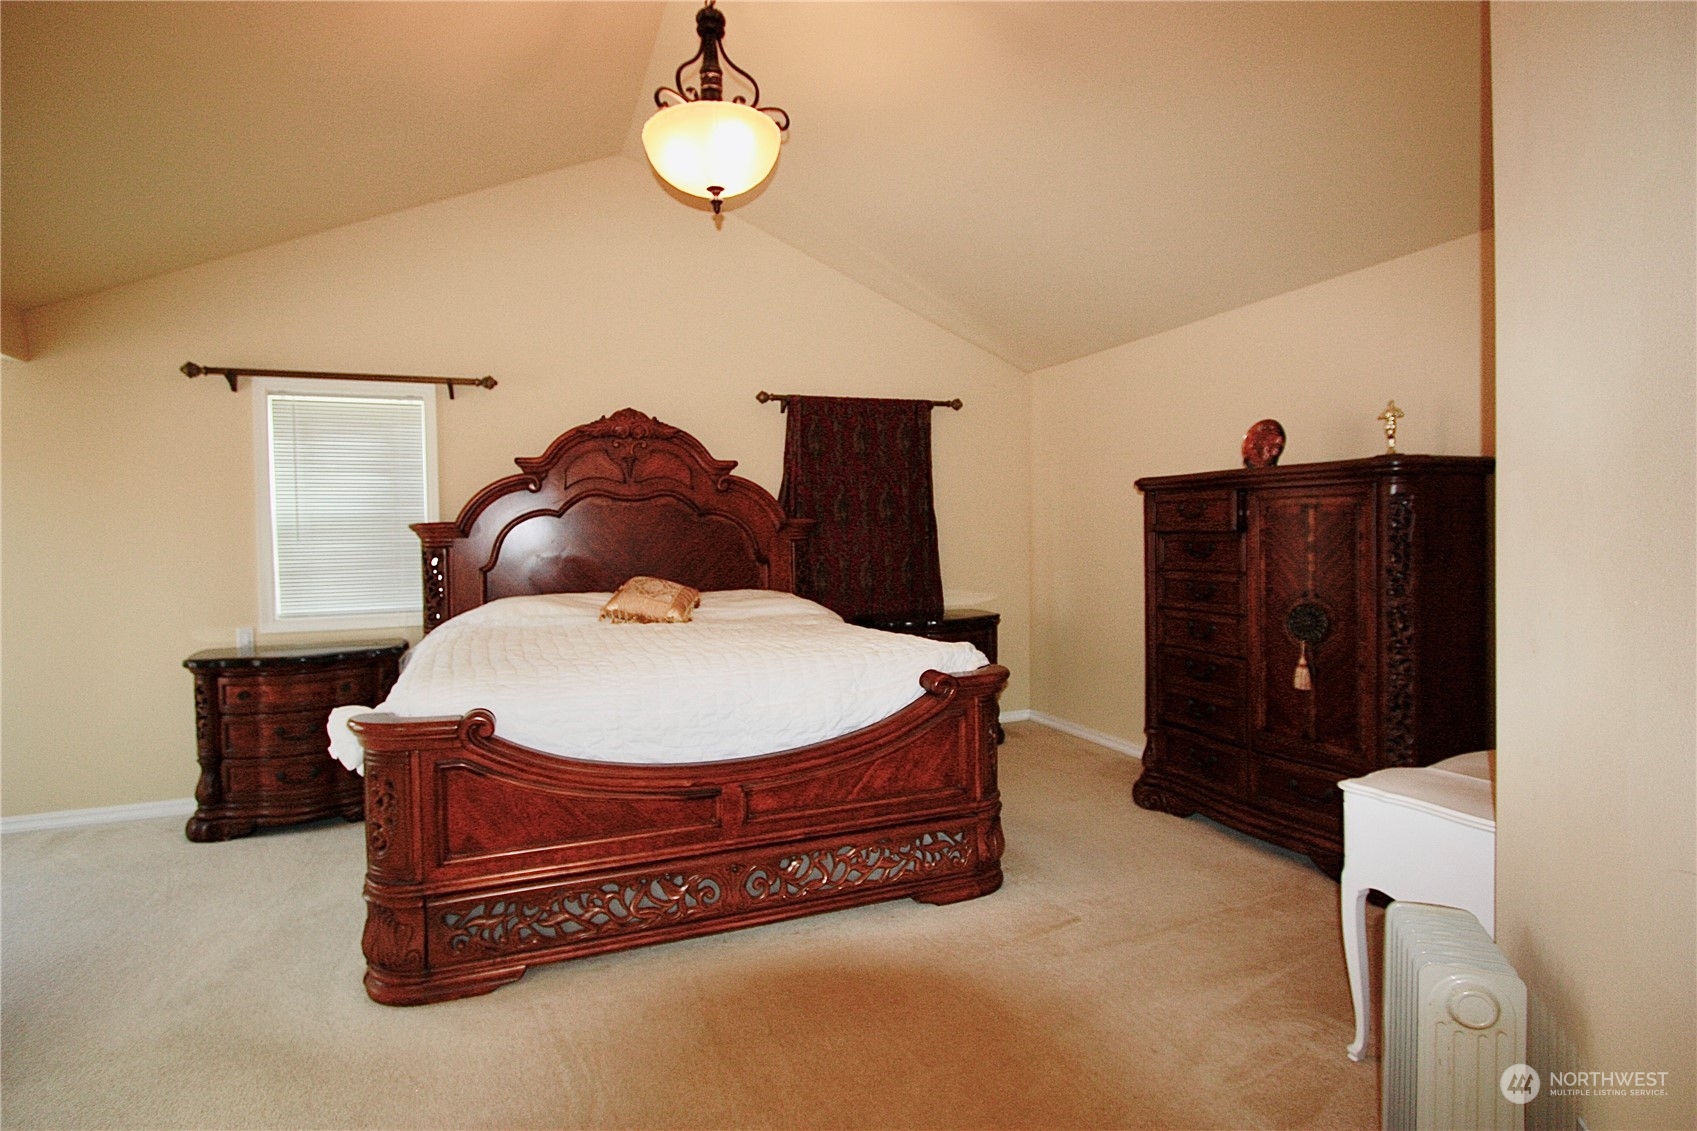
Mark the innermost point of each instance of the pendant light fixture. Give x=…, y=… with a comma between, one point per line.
x=699, y=143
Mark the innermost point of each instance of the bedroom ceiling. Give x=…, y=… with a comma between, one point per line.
x=1046, y=180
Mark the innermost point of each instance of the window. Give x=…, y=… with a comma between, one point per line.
x=342, y=469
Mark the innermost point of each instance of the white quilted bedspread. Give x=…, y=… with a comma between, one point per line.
x=754, y=672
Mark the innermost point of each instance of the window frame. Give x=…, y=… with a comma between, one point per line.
x=263, y=388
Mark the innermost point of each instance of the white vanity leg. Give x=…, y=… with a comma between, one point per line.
x=1352, y=901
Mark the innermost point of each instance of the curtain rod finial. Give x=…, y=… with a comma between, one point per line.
x=191, y=370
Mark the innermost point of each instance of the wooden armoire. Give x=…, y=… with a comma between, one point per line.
x=1312, y=623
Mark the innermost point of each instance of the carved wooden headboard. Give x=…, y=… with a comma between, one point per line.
x=623, y=496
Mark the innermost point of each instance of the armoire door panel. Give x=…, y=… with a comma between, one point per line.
x=1313, y=624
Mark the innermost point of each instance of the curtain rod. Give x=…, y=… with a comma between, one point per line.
x=784, y=400
x=230, y=373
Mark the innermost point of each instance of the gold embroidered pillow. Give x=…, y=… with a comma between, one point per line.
x=651, y=600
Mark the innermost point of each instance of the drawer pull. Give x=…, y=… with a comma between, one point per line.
x=1201, y=551
x=1322, y=798
x=1192, y=509
x=1208, y=762
x=299, y=777
x=1200, y=671
x=1202, y=630
x=1200, y=709
x=243, y=696
x=1202, y=591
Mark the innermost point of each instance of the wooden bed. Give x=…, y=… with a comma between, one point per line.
x=484, y=858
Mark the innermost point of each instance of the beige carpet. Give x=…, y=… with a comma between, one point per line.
x=1136, y=970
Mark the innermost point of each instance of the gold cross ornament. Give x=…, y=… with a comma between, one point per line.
x=1390, y=416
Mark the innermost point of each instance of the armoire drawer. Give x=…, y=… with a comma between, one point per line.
x=1302, y=790
x=1221, y=593
x=1212, y=715
x=1199, y=551
x=1207, y=632
x=1197, y=673
x=1220, y=768
x=1196, y=510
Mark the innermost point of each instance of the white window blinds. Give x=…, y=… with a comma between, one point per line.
x=348, y=475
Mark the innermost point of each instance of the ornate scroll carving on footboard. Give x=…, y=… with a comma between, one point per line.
x=840, y=867
x=647, y=902
x=561, y=914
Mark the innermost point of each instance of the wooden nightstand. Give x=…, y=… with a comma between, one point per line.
x=971, y=626
x=260, y=730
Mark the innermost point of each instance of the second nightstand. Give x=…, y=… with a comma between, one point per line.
x=971, y=626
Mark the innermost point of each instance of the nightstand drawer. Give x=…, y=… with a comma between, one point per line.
x=299, y=690
x=273, y=733
x=280, y=776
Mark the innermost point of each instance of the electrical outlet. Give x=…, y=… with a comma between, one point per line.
x=244, y=640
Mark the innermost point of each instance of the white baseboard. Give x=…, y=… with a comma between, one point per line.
x=1100, y=738
x=109, y=815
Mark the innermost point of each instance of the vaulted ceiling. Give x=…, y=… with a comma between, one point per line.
x=1044, y=179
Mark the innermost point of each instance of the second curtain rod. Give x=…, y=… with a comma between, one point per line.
x=784, y=400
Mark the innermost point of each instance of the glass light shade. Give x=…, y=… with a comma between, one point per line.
x=697, y=145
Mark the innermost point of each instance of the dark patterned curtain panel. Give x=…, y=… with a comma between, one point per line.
x=862, y=469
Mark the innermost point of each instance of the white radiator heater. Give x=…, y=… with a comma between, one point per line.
x=1455, y=1021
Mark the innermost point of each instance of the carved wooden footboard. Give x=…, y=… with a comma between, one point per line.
x=484, y=858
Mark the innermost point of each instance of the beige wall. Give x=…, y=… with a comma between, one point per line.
x=1597, y=508
x=128, y=489
x=1322, y=360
